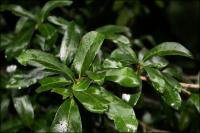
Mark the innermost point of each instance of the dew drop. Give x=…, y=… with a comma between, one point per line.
x=19, y=87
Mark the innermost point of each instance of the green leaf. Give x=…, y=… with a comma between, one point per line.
x=48, y=61
x=24, y=108
x=195, y=100
x=89, y=46
x=69, y=43
x=157, y=62
x=82, y=84
x=124, y=76
x=50, y=5
x=124, y=56
x=167, y=48
x=156, y=78
x=173, y=82
x=111, y=63
x=18, y=81
x=17, y=10
x=58, y=21
x=4, y=104
x=119, y=39
x=171, y=97
x=97, y=77
x=19, y=42
x=112, y=29
x=20, y=24
x=122, y=114
x=65, y=92
x=67, y=118
x=49, y=83
x=92, y=102
x=11, y=125
x=132, y=99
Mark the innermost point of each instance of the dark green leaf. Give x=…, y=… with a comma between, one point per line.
x=82, y=84
x=69, y=43
x=50, y=5
x=49, y=32
x=89, y=46
x=120, y=39
x=58, y=21
x=49, y=83
x=171, y=97
x=113, y=29
x=19, y=42
x=18, y=81
x=20, y=24
x=65, y=92
x=92, y=102
x=173, y=82
x=97, y=77
x=122, y=114
x=67, y=118
x=132, y=99
x=111, y=63
x=24, y=108
x=17, y=10
x=124, y=76
x=47, y=60
x=4, y=107
x=167, y=48
x=157, y=62
x=11, y=125
x=127, y=56
x=156, y=78
x=195, y=100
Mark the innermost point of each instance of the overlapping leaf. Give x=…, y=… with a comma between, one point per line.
x=67, y=118
x=48, y=61
x=167, y=48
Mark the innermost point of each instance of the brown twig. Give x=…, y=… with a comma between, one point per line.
x=184, y=85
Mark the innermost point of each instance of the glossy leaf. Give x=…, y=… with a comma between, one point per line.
x=156, y=78
x=20, y=24
x=82, y=84
x=172, y=97
x=132, y=99
x=97, y=77
x=122, y=114
x=58, y=21
x=48, y=61
x=124, y=76
x=50, y=5
x=19, y=42
x=92, y=102
x=49, y=32
x=110, y=63
x=65, y=92
x=123, y=56
x=69, y=43
x=49, y=83
x=24, y=108
x=67, y=118
x=89, y=46
x=173, y=82
x=167, y=48
x=195, y=100
x=157, y=62
x=19, y=81
x=17, y=10
x=119, y=39
x=112, y=29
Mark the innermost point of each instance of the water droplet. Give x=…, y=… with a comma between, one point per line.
x=126, y=97
x=6, y=56
x=19, y=87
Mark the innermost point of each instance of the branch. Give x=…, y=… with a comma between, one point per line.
x=184, y=85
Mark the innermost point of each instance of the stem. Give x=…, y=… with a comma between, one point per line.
x=184, y=85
